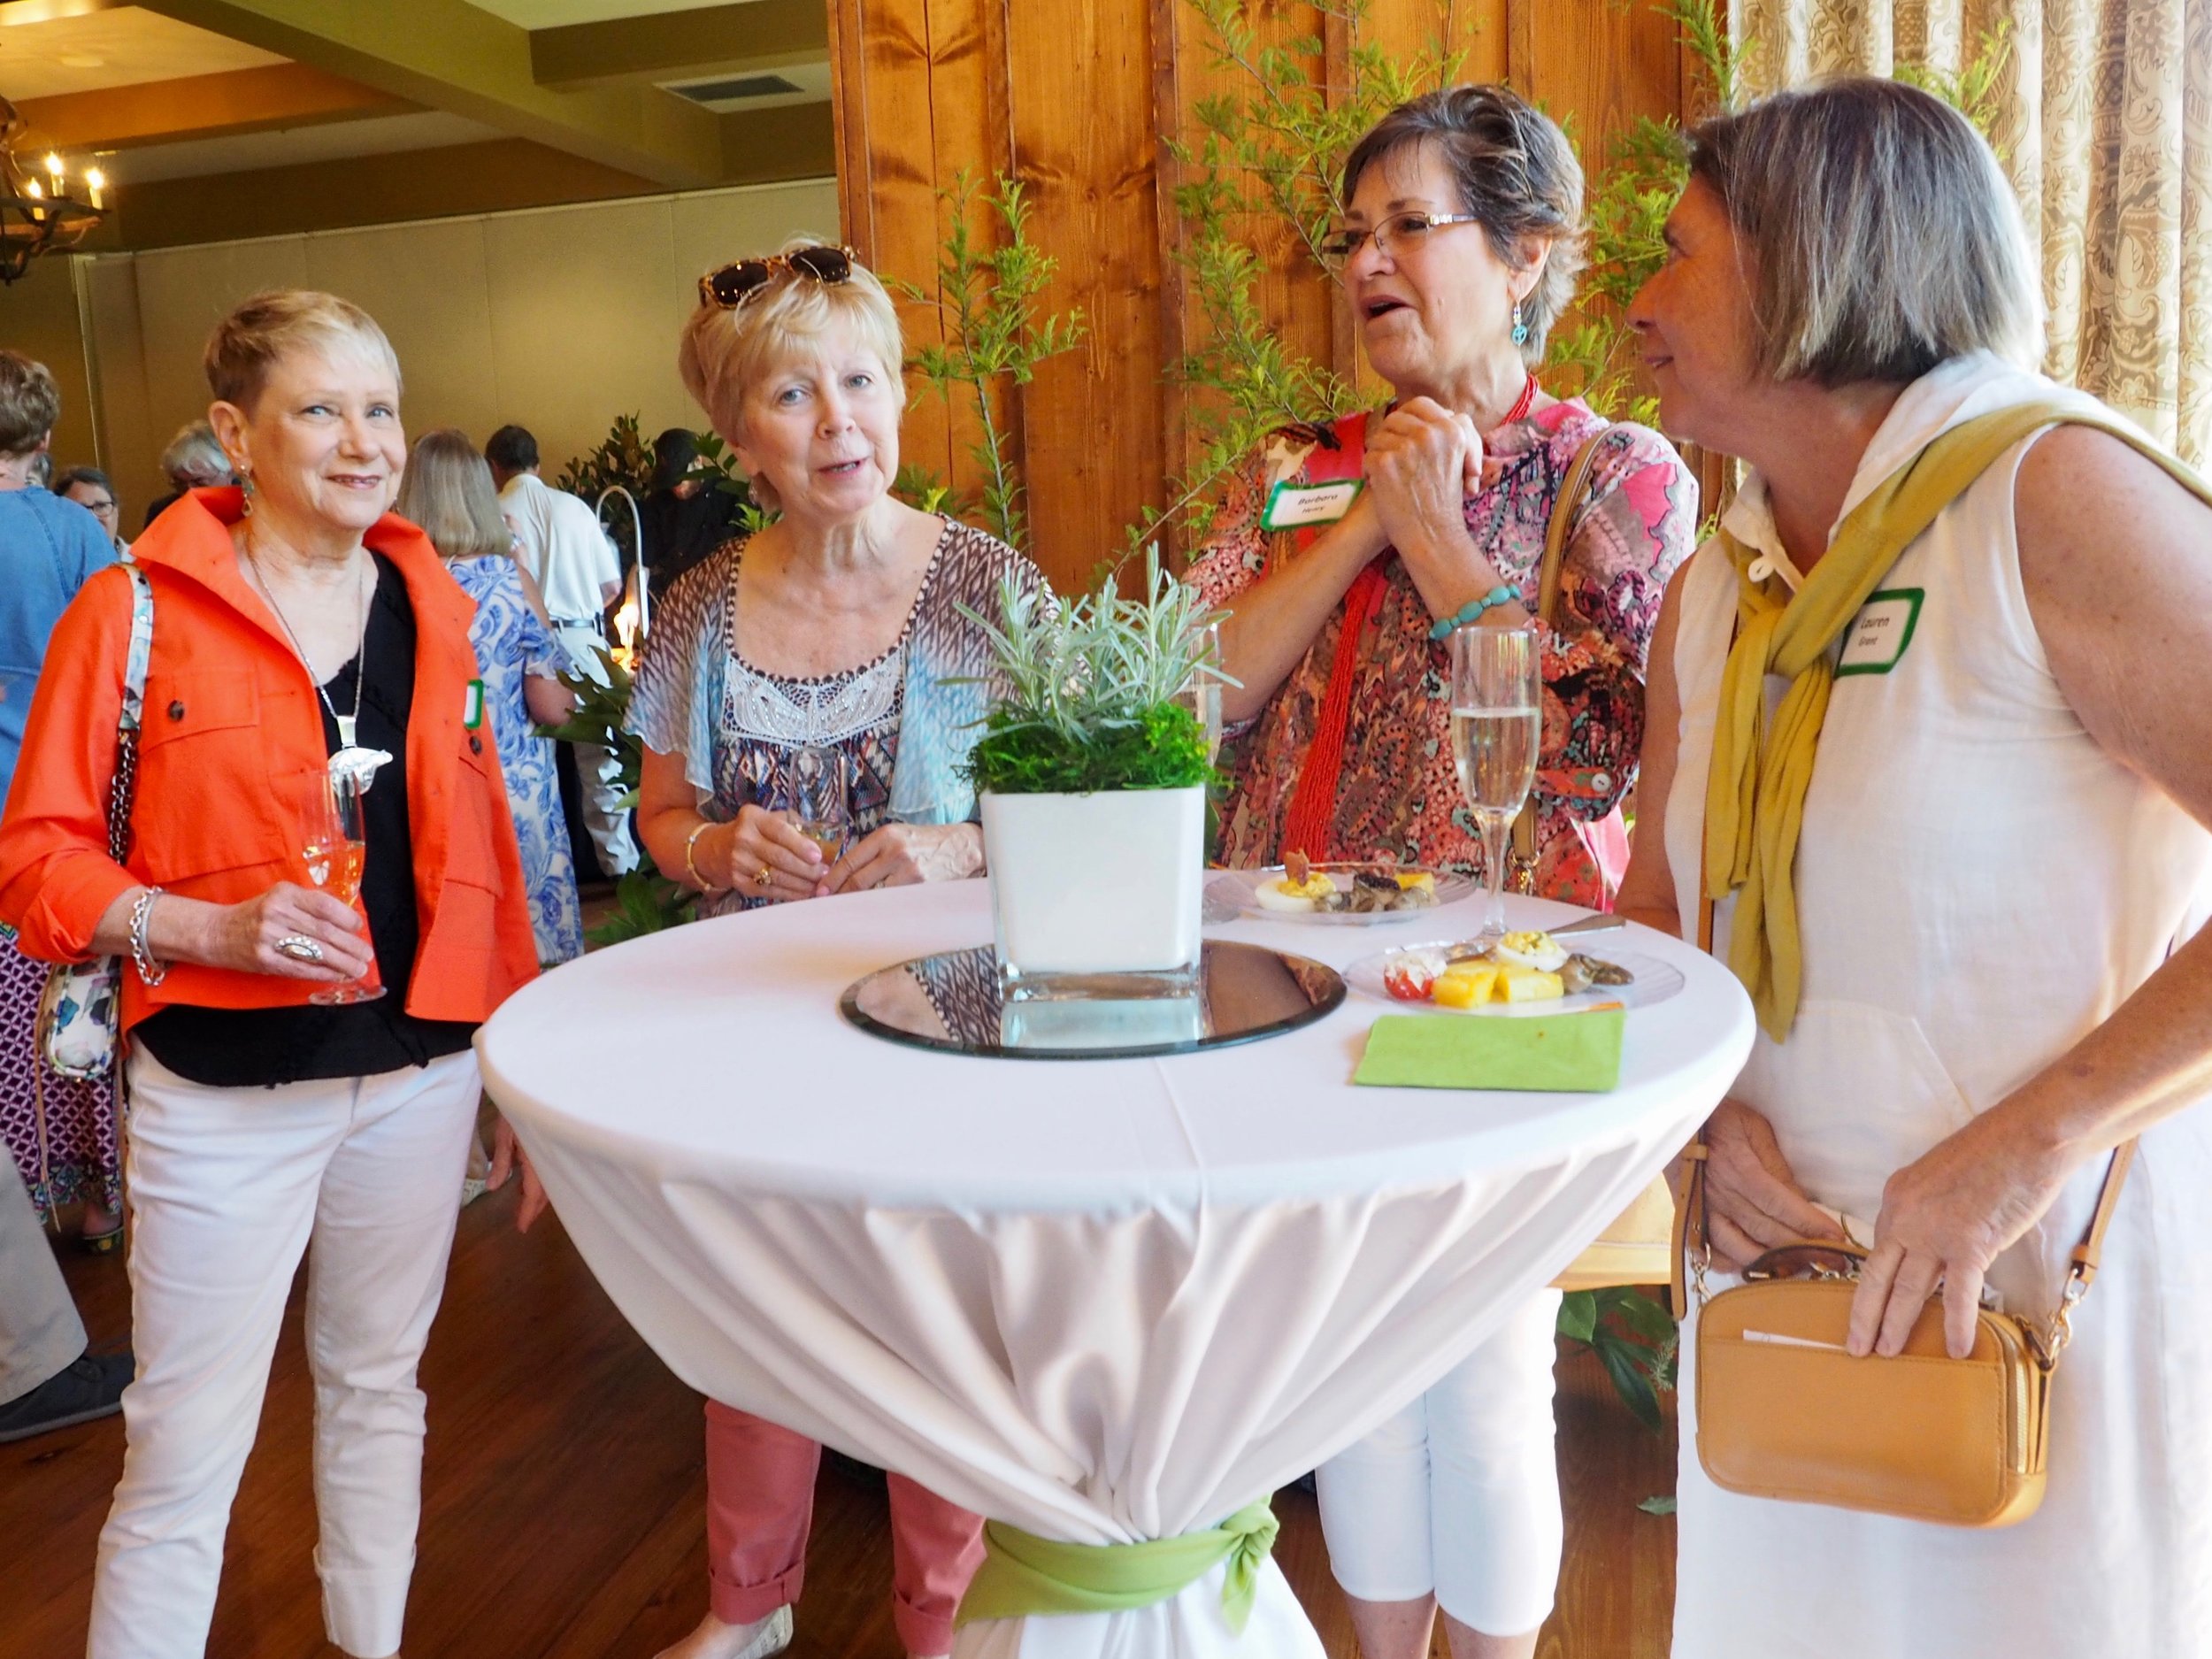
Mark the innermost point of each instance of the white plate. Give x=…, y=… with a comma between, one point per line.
x=1237, y=892
x=1655, y=982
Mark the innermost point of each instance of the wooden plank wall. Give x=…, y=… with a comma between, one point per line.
x=1072, y=97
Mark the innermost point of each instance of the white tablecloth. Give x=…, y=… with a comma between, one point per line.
x=1104, y=1299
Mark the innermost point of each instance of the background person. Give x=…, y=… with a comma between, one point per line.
x=577, y=569
x=194, y=460
x=50, y=1379
x=684, y=518
x=1458, y=252
x=448, y=493
x=62, y=1131
x=89, y=488
x=290, y=615
x=2003, y=834
x=839, y=624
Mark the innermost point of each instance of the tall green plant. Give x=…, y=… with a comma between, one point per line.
x=986, y=297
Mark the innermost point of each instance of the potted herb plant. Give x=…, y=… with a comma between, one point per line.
x=1091, y=771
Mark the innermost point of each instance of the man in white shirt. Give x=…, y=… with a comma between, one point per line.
x=561, y=544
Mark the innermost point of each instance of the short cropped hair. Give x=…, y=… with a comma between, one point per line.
x=195, y=458
x=30, y=404
x=246, y=344
x=1882, y=235
x=447, y=494
x=77, y=475
x=1515, y=172
x=511, y=450
x=722, y=352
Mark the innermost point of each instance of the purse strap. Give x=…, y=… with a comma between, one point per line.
x=1547, y=585
x=123, y=787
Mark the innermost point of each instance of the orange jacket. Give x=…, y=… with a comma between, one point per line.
x=229, y=710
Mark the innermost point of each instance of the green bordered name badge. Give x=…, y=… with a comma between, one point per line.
x=1302, y=506
x=1880, y=634
x=472, y=706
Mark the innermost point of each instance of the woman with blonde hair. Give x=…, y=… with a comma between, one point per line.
x=447, y=491
x=298, y=631
x=1928, y=746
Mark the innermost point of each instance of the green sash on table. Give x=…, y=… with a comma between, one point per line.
x=1024, y=1574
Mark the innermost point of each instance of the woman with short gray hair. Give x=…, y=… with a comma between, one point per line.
x=1958, y=866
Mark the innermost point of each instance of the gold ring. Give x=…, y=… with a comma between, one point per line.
x=764, y=877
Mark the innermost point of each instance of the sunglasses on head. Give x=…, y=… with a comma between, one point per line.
x=733, y=284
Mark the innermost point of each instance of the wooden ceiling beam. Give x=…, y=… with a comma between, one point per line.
x=201, y=106
x=682, y=45
x=449, y=55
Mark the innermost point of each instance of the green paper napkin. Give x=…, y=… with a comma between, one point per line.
x=1574, y=1053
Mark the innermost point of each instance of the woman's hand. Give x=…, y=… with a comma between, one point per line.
x=1945, y=1217
x=754, y=841
x=508, y=1157
x=245, y=936
x=900, y=855
x=1423, y=461
x=1753, y=1202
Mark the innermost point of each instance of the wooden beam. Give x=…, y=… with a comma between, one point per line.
x=201, y=106
x=448, y=55
x=797, y=140
x=669, y=45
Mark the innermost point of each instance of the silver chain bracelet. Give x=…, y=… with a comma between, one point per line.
x=149, y=972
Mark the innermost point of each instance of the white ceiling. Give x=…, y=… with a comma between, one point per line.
x=548, y=14
x=330, y=141
x=45, y=57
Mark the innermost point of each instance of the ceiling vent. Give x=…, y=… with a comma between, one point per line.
x=741, y=87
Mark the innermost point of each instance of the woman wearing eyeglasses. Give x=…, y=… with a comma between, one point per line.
x=839, y=626
x=1458, y=252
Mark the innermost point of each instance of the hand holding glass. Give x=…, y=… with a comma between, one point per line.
x=817, y=807
x=333, y=849
x=1497, y=718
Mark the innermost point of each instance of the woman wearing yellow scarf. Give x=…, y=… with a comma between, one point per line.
x=1927, y=727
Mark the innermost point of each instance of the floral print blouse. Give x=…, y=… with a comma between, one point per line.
x=1398, y=796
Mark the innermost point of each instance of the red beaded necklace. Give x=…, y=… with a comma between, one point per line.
x=1522, y=404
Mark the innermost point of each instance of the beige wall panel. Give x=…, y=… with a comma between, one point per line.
x=38, y=317
x=127, y=445
x=426, y=286
x=712, y=230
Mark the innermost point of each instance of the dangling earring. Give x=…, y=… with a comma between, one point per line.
x=1520, y=326
x=245, y=490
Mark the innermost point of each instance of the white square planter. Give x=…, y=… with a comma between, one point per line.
x=1107, y=883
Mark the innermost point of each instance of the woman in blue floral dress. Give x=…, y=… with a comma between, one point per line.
x=449, y=493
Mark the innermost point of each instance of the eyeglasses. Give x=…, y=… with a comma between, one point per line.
x=1399, y=235
x=733, y=284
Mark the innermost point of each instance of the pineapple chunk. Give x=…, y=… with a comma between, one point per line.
x=1527, y=984
x=1464, y=985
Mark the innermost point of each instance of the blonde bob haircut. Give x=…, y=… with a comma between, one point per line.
x=1882, y=236
x=276, y=322
x=447, y=494
x=724, y=352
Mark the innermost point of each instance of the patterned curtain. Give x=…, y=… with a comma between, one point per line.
x=2103, y=116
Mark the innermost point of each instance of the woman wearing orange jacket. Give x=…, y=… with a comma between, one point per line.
x=292, y=620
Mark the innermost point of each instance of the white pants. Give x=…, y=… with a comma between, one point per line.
x=1458, y=1493
x=606, y=819
x=226, y=1187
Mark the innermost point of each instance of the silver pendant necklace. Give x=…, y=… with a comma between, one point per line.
x=348, y=724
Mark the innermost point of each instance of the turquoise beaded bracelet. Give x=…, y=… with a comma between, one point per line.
x=1473, y=610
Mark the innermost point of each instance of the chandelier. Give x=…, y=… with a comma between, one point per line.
x=41, y=211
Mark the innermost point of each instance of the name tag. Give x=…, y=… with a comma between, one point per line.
x=1877, y=636
x=472, y=706
x=1297, y=506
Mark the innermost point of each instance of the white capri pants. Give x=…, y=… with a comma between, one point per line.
x=1458, y=1493
x=227, y=1187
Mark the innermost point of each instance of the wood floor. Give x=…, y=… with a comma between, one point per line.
x=561, y=1512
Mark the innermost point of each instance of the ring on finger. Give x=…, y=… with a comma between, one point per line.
x=764, y=877
x=300, y=948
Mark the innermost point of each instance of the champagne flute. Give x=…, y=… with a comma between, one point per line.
x=1202, y=692
x=333, y=850
x=819, y=807
x=1497, y=718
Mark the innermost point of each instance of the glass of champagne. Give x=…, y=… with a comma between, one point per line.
x=819, y=807
x=333, y=849
x=1202, y=692
x=1497, y=718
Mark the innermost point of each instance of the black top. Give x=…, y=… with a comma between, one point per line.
x=679, y=531
x=245, y=1048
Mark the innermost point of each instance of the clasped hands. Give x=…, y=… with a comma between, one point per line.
x=735, y=855
x=1945, y=1218
x=1423, y=461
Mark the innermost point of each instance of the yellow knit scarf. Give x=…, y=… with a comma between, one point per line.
x=1755, y=798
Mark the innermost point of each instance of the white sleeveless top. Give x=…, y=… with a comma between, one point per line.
x=1978, y=886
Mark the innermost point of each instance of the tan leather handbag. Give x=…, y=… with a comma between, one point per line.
x=1783, y=1411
